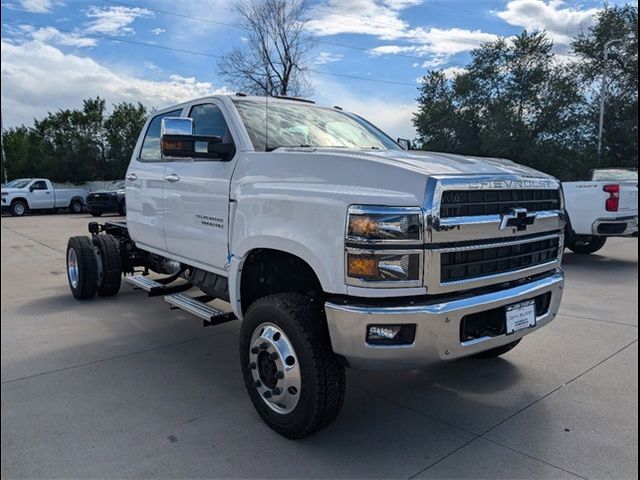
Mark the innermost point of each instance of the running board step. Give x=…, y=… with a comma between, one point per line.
x=153, y=288
x=209, y=315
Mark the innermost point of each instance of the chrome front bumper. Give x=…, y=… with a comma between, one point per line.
x=629, y=224
x=437, y=323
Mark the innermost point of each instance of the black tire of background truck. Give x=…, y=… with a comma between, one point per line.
x=586, y=244
x=75, y=206
x=109, y=254
x=18, y=208
x=87, y=268
x=95, y=214
x=322, y=376
x=122, y=208
x=496, y=352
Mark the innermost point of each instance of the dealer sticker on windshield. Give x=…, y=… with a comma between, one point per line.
x=521, y=316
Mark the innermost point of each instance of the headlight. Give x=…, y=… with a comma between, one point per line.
x=390, y=225
x=374, y=236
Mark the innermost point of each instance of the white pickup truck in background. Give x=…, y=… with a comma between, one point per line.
x=24, y=194
x=606, y=206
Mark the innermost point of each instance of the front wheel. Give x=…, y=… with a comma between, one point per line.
x=586, y=244
x=18, y=208
x=293, y=378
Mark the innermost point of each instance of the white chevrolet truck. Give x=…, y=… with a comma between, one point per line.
x=603, y=207
x=333, y=246
x=24, y=194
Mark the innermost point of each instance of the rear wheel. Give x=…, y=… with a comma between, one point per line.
x=82, y=268
x=293, y=378
x=496, y=352
x=586, y=244
x=110, y=271
x=75, y=206
x=18, y=208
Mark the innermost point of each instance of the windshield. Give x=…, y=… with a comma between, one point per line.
x=18, y=183
x=292, y=124
x=614, y=174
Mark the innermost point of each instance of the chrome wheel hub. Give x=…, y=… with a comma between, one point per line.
x=72, y=267
x=274, y=368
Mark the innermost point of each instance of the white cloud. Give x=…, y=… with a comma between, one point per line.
x=37, y=6
x=115, y=20
x=381, y=19
x=326, y=57
x=158, y=31
x=560, y=21
x=54, y=36
x=37, y=77
x=150, y=65
x=452, y=72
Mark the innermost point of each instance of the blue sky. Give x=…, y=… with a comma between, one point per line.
x=54, y=52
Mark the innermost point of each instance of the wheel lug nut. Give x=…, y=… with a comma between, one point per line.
x=280, y=375
x=276, y=391
x=255, y=350
x=258, y=384
x=252, y=365
x=274, y=356
x=264, y=345
x=267, y=394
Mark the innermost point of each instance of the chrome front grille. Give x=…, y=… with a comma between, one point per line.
x=486, y=230
x=469, y=264
x=466, y=203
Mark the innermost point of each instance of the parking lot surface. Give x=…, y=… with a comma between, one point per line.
x=124, y=387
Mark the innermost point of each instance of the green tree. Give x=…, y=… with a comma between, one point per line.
x=617, y=27
x=122, y=129
x=511, y=101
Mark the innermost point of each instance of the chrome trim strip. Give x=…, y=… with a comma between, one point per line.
x=480, y=246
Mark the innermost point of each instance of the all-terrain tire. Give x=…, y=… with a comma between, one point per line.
x=82, y=267
x=586, y=244
x=18, y=208
x=109, y=255
x=496, y=352
x=322, y=378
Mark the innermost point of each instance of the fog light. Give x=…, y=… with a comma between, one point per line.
x=384, y=332
x=391, y=334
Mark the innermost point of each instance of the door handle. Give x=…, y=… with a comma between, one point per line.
x=132, y=176
x=172, y=177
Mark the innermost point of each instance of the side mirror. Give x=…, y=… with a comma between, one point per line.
x=32, y=188
x=178, y=141
x=405, y=143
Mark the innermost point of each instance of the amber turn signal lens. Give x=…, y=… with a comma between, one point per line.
x=362, y=267
x=173, y=146
x=363, y=226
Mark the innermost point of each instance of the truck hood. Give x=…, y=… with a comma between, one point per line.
x=13, y=190
x=435, y=163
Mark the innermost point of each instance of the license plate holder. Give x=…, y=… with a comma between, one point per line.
x=520, y=316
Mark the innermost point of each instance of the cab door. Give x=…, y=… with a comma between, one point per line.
x=41, y=196
x=196, y=197
x=144, y=183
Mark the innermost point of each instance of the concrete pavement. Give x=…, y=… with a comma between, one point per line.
x=126, y=388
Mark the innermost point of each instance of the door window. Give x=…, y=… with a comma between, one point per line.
x=39, y=185
x=208, y=120
x=150, y=151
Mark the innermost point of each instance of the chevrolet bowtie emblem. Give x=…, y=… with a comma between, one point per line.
x=518, y=218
